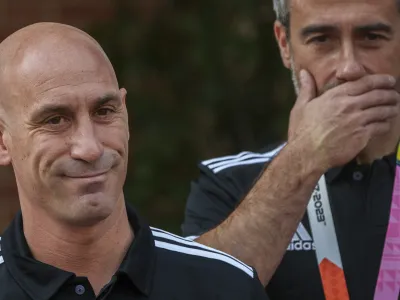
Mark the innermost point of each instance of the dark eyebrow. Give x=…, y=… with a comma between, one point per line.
x=323, y=28
x=65, y=109
x=317, y=28
x=374, y=27
x=109, y=97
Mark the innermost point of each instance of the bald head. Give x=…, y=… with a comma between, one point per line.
x=63, y=121
x=34, y=56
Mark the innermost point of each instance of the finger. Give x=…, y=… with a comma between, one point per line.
x=378, y=128
x=366, y=84
x=377, y=98
x=379, y=114
x=307, y=87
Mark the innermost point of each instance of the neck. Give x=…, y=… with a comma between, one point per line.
x=367, y=158
x=363, y=159
x=94, y=252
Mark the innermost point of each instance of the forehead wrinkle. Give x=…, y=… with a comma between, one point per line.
x=344, y=8
x=61, y=95
x=47, y=85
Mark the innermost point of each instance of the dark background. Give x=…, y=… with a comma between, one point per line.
x=204, y=79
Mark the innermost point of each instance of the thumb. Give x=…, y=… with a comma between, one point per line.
x=307, y=87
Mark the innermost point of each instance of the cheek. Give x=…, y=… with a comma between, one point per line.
x=20, y=150
x=24, y=162
x=45, y=151
x=321, y=68
x=383, y=61
x=116, y=138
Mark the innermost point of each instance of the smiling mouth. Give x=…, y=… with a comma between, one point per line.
x=89, y=176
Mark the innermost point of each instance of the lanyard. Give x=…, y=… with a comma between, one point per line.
x=326, y=244
x=327, y=248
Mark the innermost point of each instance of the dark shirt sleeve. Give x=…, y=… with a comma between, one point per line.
x=259, y=289
x=218, y=191
x=212, y=198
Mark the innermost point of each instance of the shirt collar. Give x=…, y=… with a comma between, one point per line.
x=140, y=262
x=334, y=173
x=41, y=281
x=391, y=159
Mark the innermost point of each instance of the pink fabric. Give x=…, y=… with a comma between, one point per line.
x=388, y=284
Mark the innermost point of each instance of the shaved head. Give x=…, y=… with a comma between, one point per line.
x=63, y=123
x=35, y=54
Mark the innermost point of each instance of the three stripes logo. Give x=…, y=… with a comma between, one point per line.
x=244, y=158
x=301, y=241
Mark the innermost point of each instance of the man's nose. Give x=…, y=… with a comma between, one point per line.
x=349, y=67
x=85, y=143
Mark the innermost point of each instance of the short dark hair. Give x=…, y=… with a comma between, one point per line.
x=282, y=11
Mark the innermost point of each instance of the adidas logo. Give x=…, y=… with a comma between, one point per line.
x=301, y=241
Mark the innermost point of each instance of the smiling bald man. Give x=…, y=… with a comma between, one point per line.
x=64, y=129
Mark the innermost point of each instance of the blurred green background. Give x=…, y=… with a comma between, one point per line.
x=204, y=79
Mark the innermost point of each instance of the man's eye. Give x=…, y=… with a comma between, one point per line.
x=319, y=39
x=104, y=111
x=55, y=120
x=373, y=37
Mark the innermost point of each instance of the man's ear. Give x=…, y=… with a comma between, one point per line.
x=5, y=158
x=282, y=39
x=123, y=93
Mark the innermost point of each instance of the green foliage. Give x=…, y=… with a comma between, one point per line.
x=204, y=78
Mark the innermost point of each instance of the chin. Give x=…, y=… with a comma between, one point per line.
x=91, y=209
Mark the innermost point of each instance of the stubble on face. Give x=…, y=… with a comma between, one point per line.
x=296, y=81
x=379, y=146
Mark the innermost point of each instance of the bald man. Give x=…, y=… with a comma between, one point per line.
x=64, y=129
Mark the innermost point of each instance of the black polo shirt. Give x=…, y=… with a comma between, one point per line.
x=360, y=198
x=158, y=265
